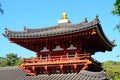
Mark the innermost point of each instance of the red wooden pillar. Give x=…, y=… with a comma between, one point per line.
x=40, y=57
x=49, y=53
x=67, y=54
x=78, y=45
x=78, y=49
x=47, y=70
x=64, y=46
x=65, y=51
x=50, y=48
x=76, y=68
x=35, y=71
x=62, y=69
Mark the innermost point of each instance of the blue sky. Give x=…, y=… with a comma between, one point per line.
x=45, y=13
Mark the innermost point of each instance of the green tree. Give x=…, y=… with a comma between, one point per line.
x=113, y=69
x=116, y=11
x=18, y=62
x=3, y=63
x=117, y=77
x=11, y=58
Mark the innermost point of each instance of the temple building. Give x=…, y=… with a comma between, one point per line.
x=63, y=49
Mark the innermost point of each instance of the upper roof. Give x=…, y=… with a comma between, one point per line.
x=64, y=27
x=60, y=29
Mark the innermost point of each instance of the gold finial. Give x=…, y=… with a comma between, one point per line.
x=64, y=16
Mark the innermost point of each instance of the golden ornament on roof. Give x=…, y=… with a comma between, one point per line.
x=64, y=16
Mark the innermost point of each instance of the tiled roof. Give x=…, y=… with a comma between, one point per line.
x=14, y=73
x=60, y=29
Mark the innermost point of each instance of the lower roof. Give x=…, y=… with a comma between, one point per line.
x=14, y=73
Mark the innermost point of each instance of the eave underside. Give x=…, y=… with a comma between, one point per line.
x=90, y=40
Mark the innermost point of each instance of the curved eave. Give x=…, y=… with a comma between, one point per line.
x=64, y=29
x=109, y=44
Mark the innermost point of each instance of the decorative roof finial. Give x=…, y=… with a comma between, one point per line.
x=96, y=20
x=6, y=29
x=97, y=16
x=64, y=16
x=64, y=19
x=85, y=20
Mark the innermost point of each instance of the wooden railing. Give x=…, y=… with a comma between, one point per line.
x=61, y=58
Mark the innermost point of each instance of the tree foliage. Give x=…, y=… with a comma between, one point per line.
x=3, y=63
x=10, y=60
x=116, y=11
x=113, y=69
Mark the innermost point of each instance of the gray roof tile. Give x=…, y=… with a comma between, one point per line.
x=59, y=29
x=14, y=73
